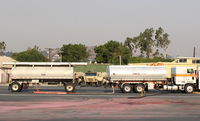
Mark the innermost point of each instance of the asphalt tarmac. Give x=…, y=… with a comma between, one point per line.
x=99, y=104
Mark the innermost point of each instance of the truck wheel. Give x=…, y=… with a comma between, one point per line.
x=127, y=88
x=189, y=88
x=16, y=87
x=69, y=87
x=139, y=88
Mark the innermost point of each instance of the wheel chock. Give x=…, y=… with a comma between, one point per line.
x=196, y=92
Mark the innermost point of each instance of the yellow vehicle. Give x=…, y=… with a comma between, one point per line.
x=91, y=79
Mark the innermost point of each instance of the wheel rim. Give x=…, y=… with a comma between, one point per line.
x=127, y=88
x=139, y=89
x=189, y=89
x=15, y=87
x=69, y=88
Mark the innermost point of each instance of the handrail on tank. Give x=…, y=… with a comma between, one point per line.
x=45, y=63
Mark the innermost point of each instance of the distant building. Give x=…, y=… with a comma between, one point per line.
x=5, y=70
x=54, y=55
x=92, y=54
x=188, y=60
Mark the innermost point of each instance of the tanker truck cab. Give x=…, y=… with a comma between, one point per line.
x=186, y=79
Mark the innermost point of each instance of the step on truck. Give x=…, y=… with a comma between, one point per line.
x=25, y=74
x=140, y=78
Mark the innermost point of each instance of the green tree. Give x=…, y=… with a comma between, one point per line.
x=30, y=55
x=162, y=40
x=132, y=44
x=149, y=41
x=2, y=47
x=102, y=54
x=74, y=53
x=110, y=52
x=146, y=42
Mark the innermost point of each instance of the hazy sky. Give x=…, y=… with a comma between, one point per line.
x=52, y=23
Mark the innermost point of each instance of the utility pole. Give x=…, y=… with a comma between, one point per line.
x=61, y=55
x=194, y=52
x=49, y=53
x=120, y=60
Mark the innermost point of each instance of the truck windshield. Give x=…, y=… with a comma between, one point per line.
x=90, y=74
x=191, y=71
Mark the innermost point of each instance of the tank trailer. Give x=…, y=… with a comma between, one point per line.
x=25, y=74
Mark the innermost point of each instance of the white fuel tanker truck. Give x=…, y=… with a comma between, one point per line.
x=127, y=78
x=139, y=78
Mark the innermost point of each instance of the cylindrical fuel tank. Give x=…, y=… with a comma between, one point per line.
x=42, y=71
x=136, y=73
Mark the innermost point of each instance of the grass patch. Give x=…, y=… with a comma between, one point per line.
x=91, y=68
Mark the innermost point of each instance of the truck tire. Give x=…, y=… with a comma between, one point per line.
x=69, y=87
x=189, y=88
x=16, y=87
x=127, y=88
x=139, y=88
